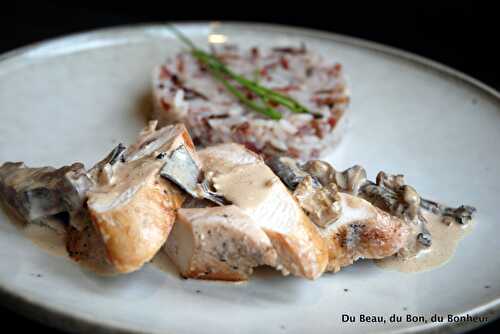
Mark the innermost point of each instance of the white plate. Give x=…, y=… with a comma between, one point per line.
x=73, y=99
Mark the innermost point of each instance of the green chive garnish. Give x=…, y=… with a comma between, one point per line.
x=222, y=73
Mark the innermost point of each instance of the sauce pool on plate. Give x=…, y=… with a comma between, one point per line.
x=445, y=240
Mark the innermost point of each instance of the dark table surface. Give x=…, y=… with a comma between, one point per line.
x=462, y=37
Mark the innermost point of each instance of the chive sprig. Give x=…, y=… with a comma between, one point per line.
x=266, y=97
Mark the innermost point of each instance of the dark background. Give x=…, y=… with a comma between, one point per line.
x=464, y=37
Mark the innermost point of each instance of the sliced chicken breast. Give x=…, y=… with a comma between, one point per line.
x=245, y=180
x=135, y=220
x=362, y=231
x=219, y=243
x=132, y=206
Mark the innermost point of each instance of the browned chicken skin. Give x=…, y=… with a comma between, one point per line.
x=363, y=231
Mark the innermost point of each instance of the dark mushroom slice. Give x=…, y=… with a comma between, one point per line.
x=37, y=193
x=182, y=169
x=372, y=192
x=288, y=170
x=424, y=239
x=462, y=214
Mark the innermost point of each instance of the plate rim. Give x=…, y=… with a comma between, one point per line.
x=43, y=313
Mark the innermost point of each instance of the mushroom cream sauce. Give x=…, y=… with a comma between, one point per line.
x=445, y=240
x=50, y=239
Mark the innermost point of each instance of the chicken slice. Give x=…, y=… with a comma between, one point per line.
x=134, y=217
x=352, y=227
x=219, y=243
x=245, y=180
x=362, y=231
x=132, y=206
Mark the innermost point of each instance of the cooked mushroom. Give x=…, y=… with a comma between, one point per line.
x=287, y=170
x=320, y=170
x=321, y=204
x=37, y=193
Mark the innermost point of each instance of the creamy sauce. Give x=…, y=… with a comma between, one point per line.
x=51, y=239
x=54, y=242
x=123, y=183
x=246, y=185
x=445, y=240
x=46, y=238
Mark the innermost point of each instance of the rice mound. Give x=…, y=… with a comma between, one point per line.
x=184, y=91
